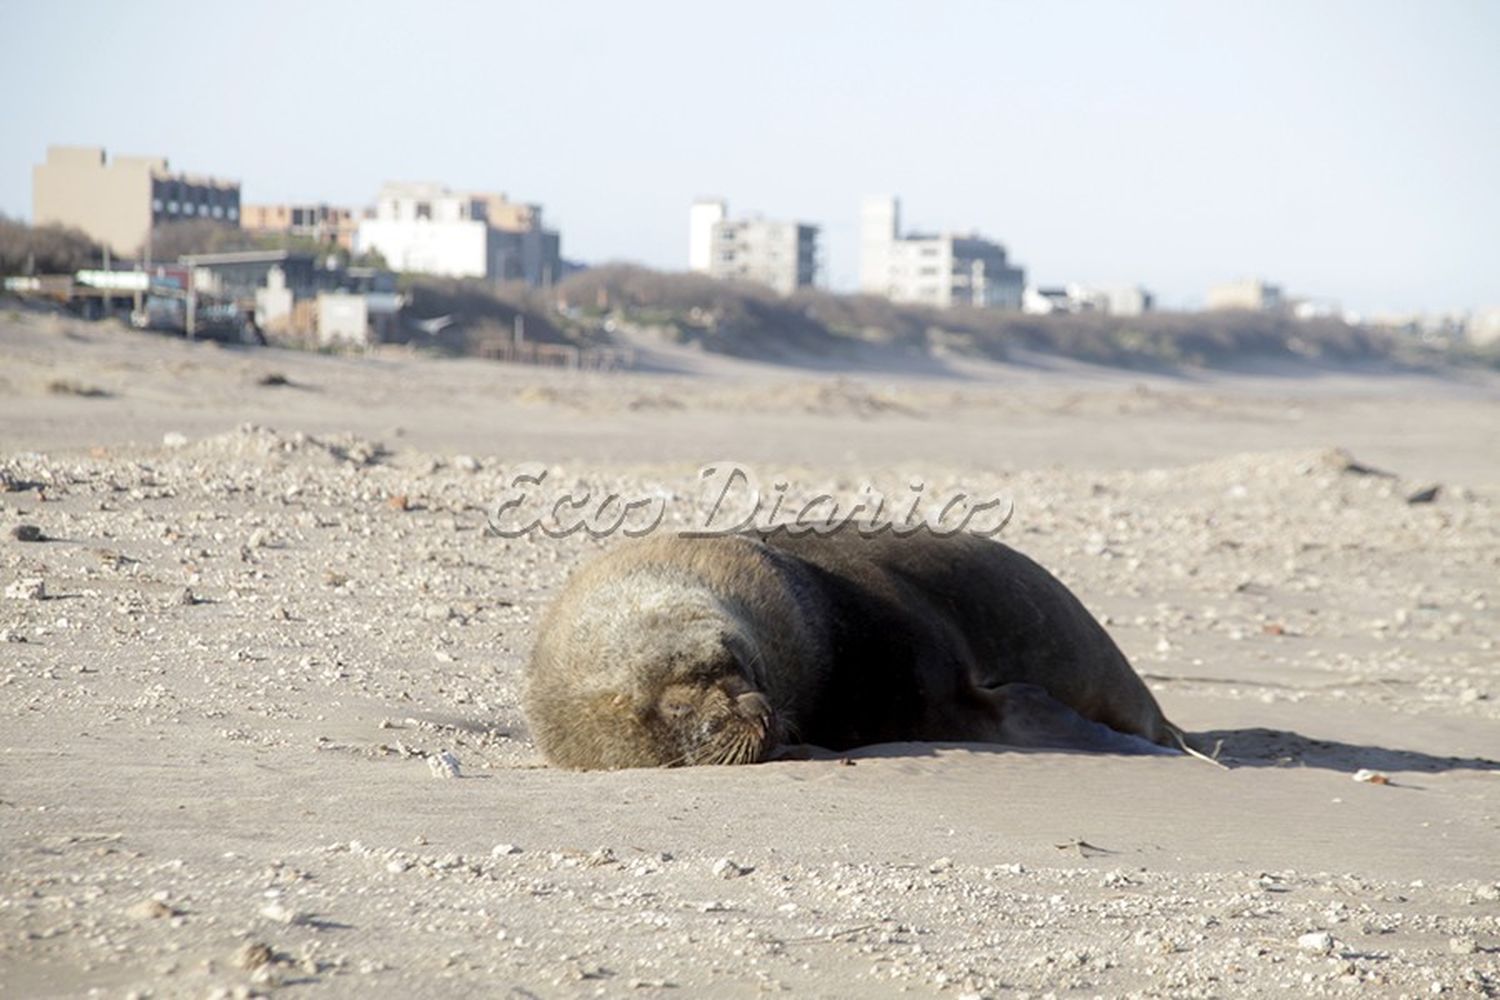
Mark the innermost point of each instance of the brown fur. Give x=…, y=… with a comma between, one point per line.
x=681, y=650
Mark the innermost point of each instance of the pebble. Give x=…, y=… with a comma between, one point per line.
x=174, y=439
x=252, y=955
x=444, y=764
x=27, y=533
x=500, y=850
x=282, y=914
x=466, y=463
x=1317, y=942
x=151, y=909
x=729, y=868
x=30, y=588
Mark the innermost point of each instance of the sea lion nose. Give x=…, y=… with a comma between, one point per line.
x=753, y=705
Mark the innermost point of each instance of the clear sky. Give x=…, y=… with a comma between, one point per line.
x=1349, y=150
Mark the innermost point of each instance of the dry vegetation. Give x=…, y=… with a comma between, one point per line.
x=750, y=320
x=26, y=249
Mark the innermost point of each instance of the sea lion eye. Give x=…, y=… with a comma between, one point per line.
x=676, y=708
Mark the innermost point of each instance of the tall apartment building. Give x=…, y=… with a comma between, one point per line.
x=1253, y=294
x=937, y=270
x=428, y=229
x=783, y=255
x=120, y=201
x=320, y=222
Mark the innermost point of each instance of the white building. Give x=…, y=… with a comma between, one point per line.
x=783, y=255
x=428, y=229
x=702, y=217
x=343, y=317
x=1128, y=300
x=1038, y=300
x=1119, y=300
x=938, y=270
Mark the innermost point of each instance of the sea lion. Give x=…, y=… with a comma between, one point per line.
x=678, y=649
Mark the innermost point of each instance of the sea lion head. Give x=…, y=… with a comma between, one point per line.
x=649, y=673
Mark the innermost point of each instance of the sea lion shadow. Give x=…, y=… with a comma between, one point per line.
x=1261, y=747
x=1234, y=748
x=928, y=748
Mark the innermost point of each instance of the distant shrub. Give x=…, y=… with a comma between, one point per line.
x=27, y=249
x=752, y=320
x=188, y=236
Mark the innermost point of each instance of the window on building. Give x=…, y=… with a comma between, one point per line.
x=233, y=213
x=218, y=212
x=172, y=207
x=424, y=209
x=156, y=204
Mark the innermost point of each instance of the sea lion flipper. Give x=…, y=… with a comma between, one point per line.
x=1030, y=717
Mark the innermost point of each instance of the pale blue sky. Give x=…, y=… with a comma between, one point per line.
x=1347, y=149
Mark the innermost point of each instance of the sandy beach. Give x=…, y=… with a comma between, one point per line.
x=264, y=603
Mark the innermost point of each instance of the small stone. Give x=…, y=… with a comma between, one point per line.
x=466, y=463
x=1425, y=495
x=501, y=850
x=940, y=865
x=728, y=868
x=27, y=533
x=1316, y=942
x=399, y=502
x=252, y=955
x=186, y=597
x=151, y=909
x=281, y=914
x=1463, y=946
x=31, y=588
x=443, y=765
x=174, y=439
x=1370, y=777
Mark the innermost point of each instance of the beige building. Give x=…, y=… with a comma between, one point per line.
x=323, y=223
x=120, y=201
x=508, y=216
x=1253, y=294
